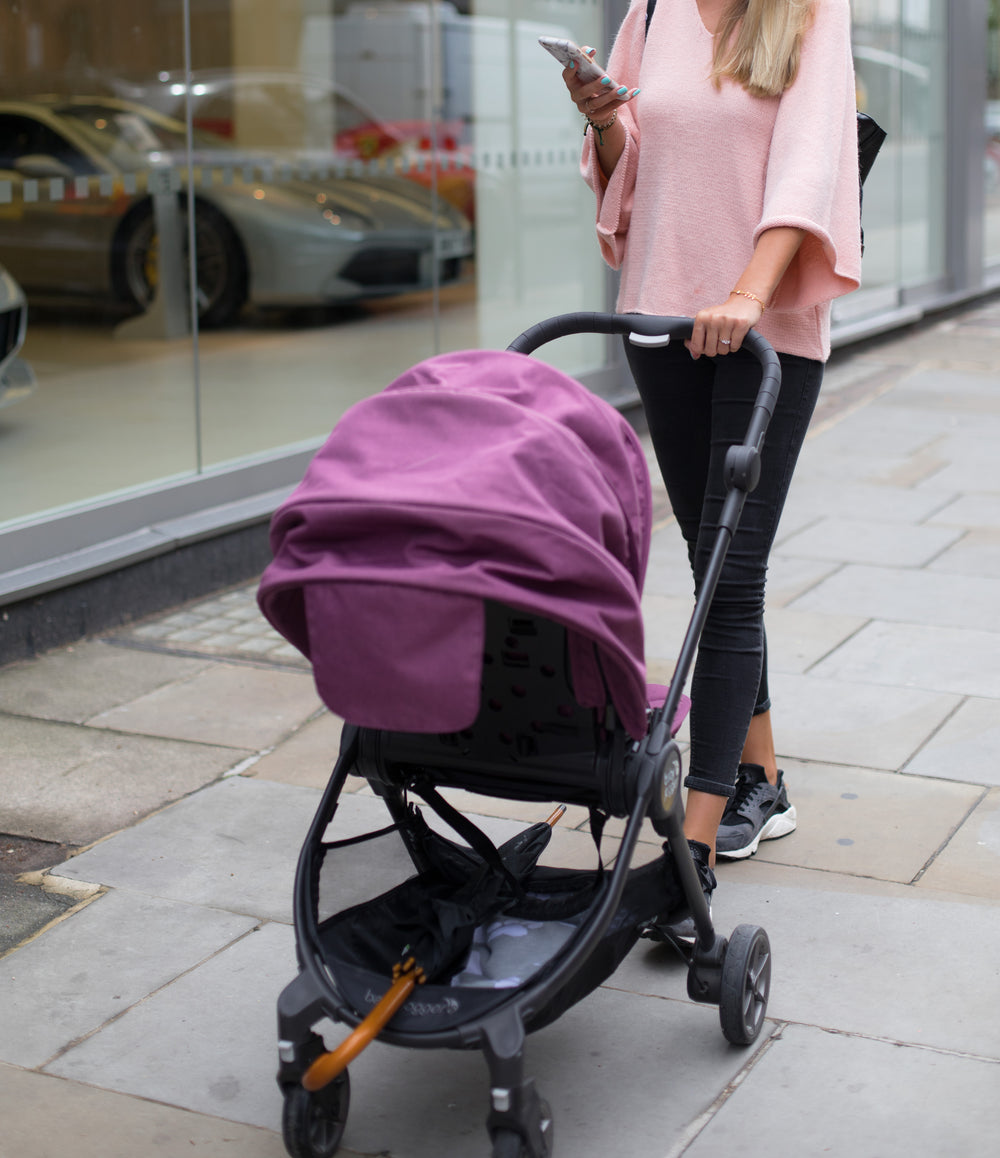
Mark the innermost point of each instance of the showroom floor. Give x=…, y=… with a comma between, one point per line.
x=113, y=412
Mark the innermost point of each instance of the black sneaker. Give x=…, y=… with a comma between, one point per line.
x=678, y=926
x=759, y=811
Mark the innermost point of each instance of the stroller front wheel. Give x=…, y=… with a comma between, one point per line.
x=746, y=983
x=312, y=1124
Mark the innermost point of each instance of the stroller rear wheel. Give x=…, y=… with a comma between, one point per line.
x=746, y=983
x=312, y=1124
x=509, y=1144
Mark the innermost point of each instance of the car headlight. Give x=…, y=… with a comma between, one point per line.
x=339, y=217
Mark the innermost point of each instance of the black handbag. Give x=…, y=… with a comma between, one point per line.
x=870, y=138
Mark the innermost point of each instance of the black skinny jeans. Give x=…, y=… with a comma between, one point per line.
x=695, y=411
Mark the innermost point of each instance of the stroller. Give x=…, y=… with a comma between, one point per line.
x=463, y=563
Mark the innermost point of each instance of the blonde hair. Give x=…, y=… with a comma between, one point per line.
x=758, y=44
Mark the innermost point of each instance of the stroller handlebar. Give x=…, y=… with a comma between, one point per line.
x=652, y=326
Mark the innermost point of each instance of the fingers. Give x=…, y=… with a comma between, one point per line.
x=716, y=334
x=596, y=98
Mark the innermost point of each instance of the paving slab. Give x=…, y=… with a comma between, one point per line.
x=616, y=1070
x=962, y=661
x=789, y=577
x=73, y=785
x=205, y=1041
x=78, y=682
x=873, y=434
x=242, y=706
x=965, y=748
x=835, y=491
x=91, y=967
x=669, y=572
x=798, y=640
x=47, y=1117
x=971, y=511
x=307, y=757
x=970, y=863
x=871, y=541
x=971, y=465
x=947, y=390
x=977, y=553
x=860, y=957
x=665, y=621
x=233, y=846
x=897, y=595
x=836, y=722
x=866, y=823
x=848, y=1097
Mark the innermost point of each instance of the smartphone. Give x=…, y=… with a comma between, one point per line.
x=565, y=51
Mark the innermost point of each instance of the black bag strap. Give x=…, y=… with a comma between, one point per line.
x=598, y=819
x=474, y=837
x=650, y=8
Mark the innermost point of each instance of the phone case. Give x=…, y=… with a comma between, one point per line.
x=565, y=51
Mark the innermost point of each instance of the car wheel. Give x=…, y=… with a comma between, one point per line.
x=221, y=263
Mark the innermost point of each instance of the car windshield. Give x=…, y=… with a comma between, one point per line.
x=129, y=139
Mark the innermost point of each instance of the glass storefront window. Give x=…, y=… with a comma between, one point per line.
x=991, y=162
x=900, y=60
x=373, y=181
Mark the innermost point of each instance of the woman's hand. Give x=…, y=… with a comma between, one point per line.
x=596, y=99
x=720, y=330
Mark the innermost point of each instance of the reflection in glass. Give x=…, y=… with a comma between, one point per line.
x=900, y=65
x=991, y=162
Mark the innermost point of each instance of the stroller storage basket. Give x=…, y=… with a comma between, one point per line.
x=463, y=563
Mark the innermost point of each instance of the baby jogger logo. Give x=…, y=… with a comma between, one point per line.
x=447, y=1005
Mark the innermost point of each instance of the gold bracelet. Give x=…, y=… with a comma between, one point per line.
x=752, y=297
x=600, y=129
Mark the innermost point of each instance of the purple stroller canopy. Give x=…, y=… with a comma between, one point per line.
x=478, y=475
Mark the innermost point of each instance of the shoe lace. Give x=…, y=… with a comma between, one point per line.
x=746, y=792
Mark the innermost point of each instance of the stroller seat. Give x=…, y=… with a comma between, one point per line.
x=531, y=739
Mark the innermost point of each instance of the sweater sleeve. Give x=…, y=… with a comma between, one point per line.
x=615, y=194
x=812, y=170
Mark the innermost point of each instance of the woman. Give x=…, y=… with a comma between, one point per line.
x=722, y=149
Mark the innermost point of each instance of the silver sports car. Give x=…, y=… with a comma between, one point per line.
x=16, y=377
x=78, y=179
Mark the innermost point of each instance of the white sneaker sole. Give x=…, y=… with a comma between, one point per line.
x=781, y=824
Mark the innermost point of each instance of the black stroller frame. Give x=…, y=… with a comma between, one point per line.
x=568, y=761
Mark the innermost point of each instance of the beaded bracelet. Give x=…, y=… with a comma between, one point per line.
x=601, y=129
x=752, y=297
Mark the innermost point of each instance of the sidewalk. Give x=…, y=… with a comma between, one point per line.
x=165, y=776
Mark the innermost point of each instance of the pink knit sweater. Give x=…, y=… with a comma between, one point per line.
x=705, y=171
